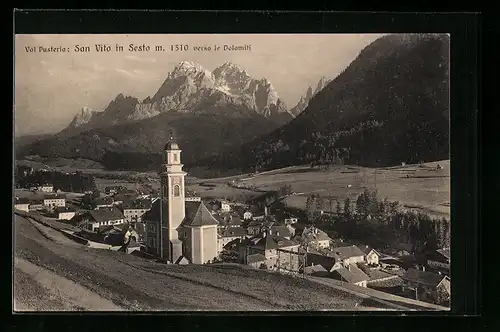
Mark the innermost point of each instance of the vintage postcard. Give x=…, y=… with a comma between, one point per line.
x=232, y=172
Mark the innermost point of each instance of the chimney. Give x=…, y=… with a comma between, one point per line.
x=265, y=211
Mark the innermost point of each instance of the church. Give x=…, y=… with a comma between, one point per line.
x=188, y=230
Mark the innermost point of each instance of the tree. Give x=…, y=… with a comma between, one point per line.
x=338, y=208
x=347, y=207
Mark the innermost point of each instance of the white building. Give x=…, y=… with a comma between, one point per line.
x=22, y=204
x=247, y=215
x=54, y=201
x=93, y=220
x=65, y=213
x=46, y=188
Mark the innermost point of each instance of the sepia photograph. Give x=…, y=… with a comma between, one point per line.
x=231, y=172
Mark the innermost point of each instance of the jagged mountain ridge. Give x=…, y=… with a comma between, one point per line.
x=304, y=100
x=187, y=87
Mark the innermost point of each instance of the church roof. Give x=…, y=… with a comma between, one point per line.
x=171, y=146
x=197, y=214
x=154, y=213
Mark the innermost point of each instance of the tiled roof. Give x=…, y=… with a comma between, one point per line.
x=314, y=268
x=137, y=204
x=60, y=209
x=423, y=277
x=269, y=242
x=255, y=258
x=255, y=223
x=353, y=274
x=233, y=231
x=347, y=252
x=314, y=234
x=154, y=213
x=280, y=231
x=22, y=200
x=197, y=214
x=374, y=274
x=106, y=214
x=104, y=201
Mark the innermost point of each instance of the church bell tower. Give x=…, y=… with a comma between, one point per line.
x=173, y=191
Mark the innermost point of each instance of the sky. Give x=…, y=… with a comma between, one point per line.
x=51, y=87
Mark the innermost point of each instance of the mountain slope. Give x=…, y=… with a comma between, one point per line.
x=138, y=145
x=304, y=100
x=390, y=105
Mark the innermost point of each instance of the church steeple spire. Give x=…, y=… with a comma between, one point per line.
x=171, y=145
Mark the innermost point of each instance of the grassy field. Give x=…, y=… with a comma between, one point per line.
x=419, y=187
x=120, y=278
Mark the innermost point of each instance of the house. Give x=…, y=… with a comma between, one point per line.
x=134, y=210
x=372, y=256
x=376, y=275
x=36, y=205
x=22, y=204
x=229, y=235
x=427, y=286
x=47, y=188
x=104, y=203
x=291, y=220
x=280, y=230
x=316, y=270
x=94, y=219
x=281, y=254
x=224, y=206
x=345, y=256
x=312, y=256
x=54, y=201
x=256, y=260
x=314, y=237
x=253, y=228
x=112, y=190
x=351, y=274
x=123, y=198
x=247, y=215
x=439, y=259
x=64, y=213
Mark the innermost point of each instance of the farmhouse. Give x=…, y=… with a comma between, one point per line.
x=426, y=286
x=229, y=235
x=371, y=255
x=175, y=227
x=439, y=259
x=104, y=203
x=256, y=261
x=92, y=220
x=280, y=230
x=134, y=210
x=47, y=188
x=247, y=215
x=280, y=253
x=224, y=205
x=314, y=237
x=253, y=228
x=345, y=256
x=64, y=213
x=54, y=201
x=36, y=205
x=351, y=274
x=22, y=204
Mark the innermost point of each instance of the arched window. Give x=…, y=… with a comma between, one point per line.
x=177, y=190
x=175, y=156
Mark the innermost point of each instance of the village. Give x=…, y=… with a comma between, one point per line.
x=258, y=233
